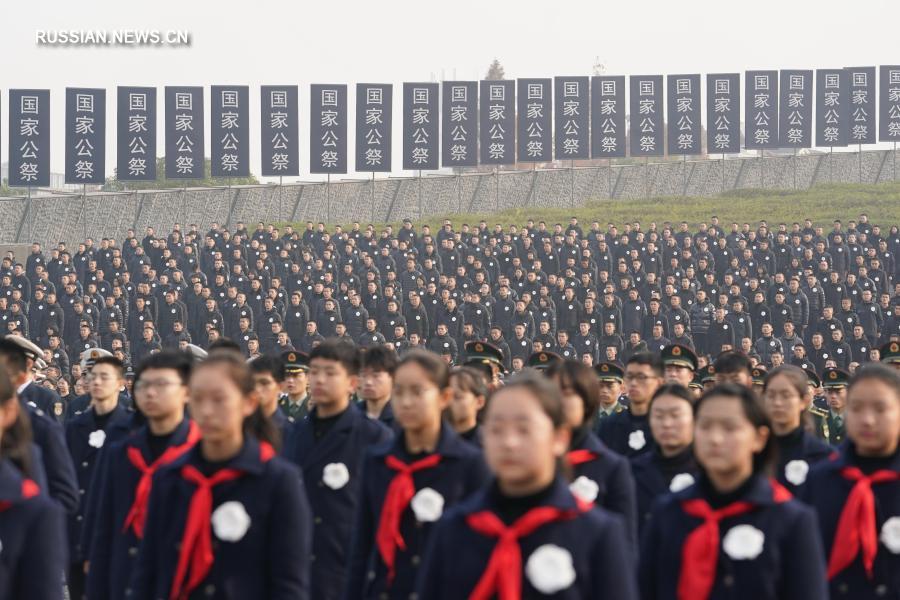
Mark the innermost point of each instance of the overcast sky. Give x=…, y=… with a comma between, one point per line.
x=349, y=41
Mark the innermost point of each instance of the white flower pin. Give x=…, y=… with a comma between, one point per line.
x=335, y=475
x=636, y=440
x=795, y=471
x=585, y=488
x=680, y=482
x=230, y=521
x=743, y=542
x=550, y=569
x=96, y=438
x=427, y=505
x=890, y=534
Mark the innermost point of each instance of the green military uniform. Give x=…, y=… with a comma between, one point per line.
x=542, y=360
x=614, y=373
x=294, y=362
x=890, y=354
x=679, y=356
x=835, y=423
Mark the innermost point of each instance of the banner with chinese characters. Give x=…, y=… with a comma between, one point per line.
x=761, y=110
x=683, y=114
x=279, y=131
x=646, y=115
x=832, y=108
x=420, y=126
x=459, y=124
x=535, y=136
x=795, y=109
x=230, y=131
x=608, y=116
x=861, y=81
x=328, y=128
x=85, y=136
x=572, y=117
x=136, y=134
x=185, y=149
x=374, y=102
x=497, y=122
x=723, y=113
x=889, y=104
x=29, y=138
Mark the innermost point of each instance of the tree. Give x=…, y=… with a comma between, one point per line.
x=495, y=72
x=161, y=183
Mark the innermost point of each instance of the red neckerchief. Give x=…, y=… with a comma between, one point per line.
x=196, y=552
x=29, y=490
x=577, y=457
x=700, y=552
x=856, y=528
x=502, y=578
x=137, y=516
x=399, y=493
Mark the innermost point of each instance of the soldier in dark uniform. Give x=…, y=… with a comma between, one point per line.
x=488, y=359
x=610, y=375
x=835, y=383
x=43, y=398
x=294, y=400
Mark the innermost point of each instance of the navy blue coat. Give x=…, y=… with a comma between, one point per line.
x=460, y=472
x=49, y=436
x=626, y=434
x=110, y=549
x=797, y=452
x=615, y=484
x=80, y=433
x=789, y=564
x=33, y=557
x=333, y=503
x=458, y=555
x=653, y=478
x=827, y=490
x=42, y=397
x=270, y=561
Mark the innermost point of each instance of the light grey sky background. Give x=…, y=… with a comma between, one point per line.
x=348, y=41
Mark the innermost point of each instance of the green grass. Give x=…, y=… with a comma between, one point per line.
x=822, y=204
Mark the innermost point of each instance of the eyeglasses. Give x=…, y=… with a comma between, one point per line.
x=637, y=377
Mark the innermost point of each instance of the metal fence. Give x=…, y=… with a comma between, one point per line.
x=72, y=217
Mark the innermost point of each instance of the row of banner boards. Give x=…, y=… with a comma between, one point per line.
x=456, y=123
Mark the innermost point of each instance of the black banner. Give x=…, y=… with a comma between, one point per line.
x=279, y=131
x=85, y=136
x=761, y=110
x=420, y=126
x=723, y=113
x=572, y=117
x=683, y=114
x=230, y=131
x=374, y=102
x=832, y=108
x=497, y=121
x=136, y=134
x=795, y=109
x=861, y=81
x=328, y=128
x=459, y=124
x=184, y=133
x=608, y=116
x=534, y=141
x=889, y=104
x=29, y=138
x=646, y=115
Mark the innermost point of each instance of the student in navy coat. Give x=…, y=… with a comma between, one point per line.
x=229, y=518
x=671, y=466
x=408, y=483
x=856, y=494
x=32, y=528
x=786, y=397
x=736, y=533
x=470, y=392
x=104, y=422
x=268, y=375
x=117, y=504
x=48, y=435
x=329, y=446
x=628, y=432
x=376, y=381
x=598, y=474
x=526, y=535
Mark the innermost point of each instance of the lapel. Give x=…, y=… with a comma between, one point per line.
x=309, y=451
